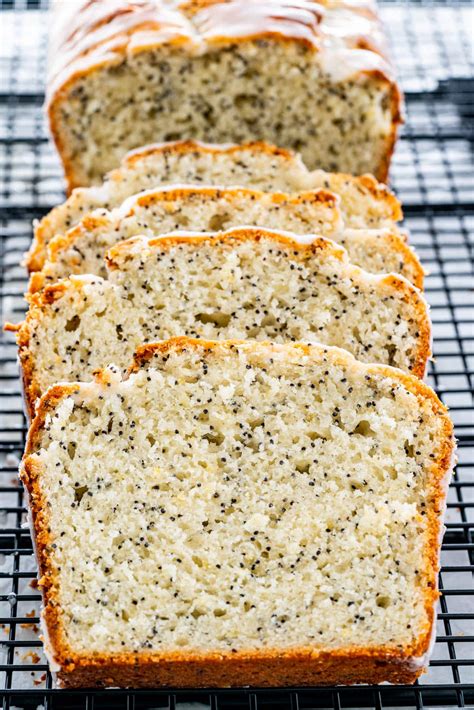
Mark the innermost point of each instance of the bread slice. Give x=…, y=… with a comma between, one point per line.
x=81, y=250
x=245, y=283
x=311, y=78
x=239, y=514
x=364, y=201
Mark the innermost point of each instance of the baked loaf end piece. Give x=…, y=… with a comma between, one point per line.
x=364, y=201
x=267, y=515
x=307, y=77
x=206, y=209
x=244, y=283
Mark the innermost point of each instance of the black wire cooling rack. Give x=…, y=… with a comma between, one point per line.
x=433, y=175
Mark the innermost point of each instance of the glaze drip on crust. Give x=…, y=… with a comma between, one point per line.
x=82, y=26
x=97, y=28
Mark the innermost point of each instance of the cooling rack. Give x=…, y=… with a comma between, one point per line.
x=434, y=177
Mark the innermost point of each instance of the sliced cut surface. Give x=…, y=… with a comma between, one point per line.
x=242, y=514
x=364, y=201
x=207, y=209
x=244, y=283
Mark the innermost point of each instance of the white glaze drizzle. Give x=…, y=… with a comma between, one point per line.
x=88, y=34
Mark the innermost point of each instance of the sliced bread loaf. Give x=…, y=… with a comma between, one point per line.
x=364, y=201
x=245, y=283
x=240, y=514
x=309, y=77
x=207, y=209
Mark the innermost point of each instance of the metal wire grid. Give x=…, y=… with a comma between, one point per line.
x=433, y=175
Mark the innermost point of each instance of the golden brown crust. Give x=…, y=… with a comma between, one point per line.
x=398, y=118
x=340, y=356
x=266, y=667
x=92, y=222
x=423, y=350
x=366, y=182
x=30, y=385
x=36, y=255
x=318, y=196
x=193, y=146
x=369, y=184
x=411, y=260
x=63, y=241
x=293, y=668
